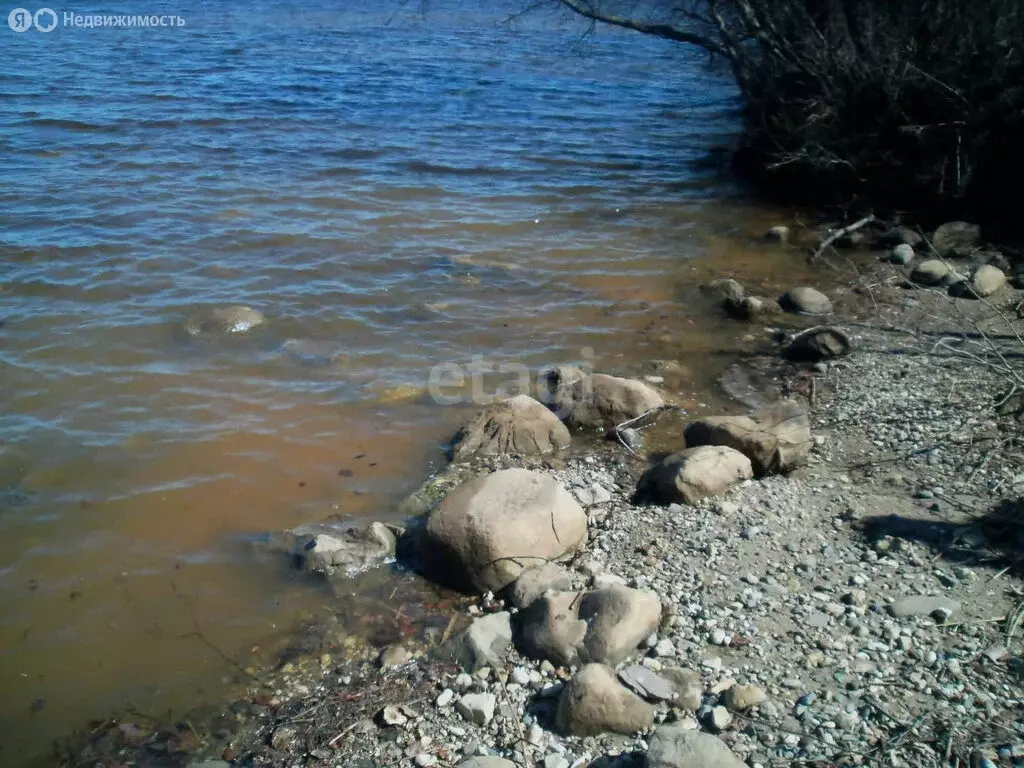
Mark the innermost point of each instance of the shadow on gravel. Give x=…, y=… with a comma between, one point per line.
x=995, y=539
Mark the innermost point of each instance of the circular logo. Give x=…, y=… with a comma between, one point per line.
x=45, y=20
x=20, y=20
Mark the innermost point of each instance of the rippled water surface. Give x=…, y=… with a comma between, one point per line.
x=392, y=196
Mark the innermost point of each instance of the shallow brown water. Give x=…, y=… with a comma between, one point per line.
x=392, y=197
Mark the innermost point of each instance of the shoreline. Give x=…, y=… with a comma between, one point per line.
x=784, y=583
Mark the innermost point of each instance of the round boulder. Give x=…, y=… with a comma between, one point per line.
x=985, y=281
x=902, y=254
x=931, y=272
x=690, y=475
x=598, y=400
x=519, y=425
x=817, y=344
x=807, y=301
x=489, y=530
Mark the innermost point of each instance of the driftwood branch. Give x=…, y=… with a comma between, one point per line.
x=840, y=233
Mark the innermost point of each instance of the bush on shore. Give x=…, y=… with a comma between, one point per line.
x=910, y=105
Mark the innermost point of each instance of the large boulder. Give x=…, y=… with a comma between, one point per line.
x=984, y=282
x=676, y=746
x=602, y=626
x=807, y=301
x=333, y=552
x=597, y=400
x=931, y=272
x=775, y=440
x=595, y=702
x=223, y=321
x=489, y=530
x=690, y=475
x=518, y=425
x=957, y=240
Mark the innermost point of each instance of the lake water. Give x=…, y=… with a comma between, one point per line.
x=393, y=193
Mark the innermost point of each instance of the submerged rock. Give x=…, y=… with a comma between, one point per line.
x=331, y=552
x=690, y=475
x=518, y=425
x=224, y=321
x=489, y=530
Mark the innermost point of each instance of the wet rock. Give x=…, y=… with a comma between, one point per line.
x=675, y=746
x=489, y=530
x=534, y=582
x=807, y=301
x=817, y=344
x=751, y=308
x=602, y=626
x=477, y=707
x=342, y=553
x=486, y=643
x=690, y=475
x=902, y=254
x=931, y=272
x=939, y=608
x=518, y=425
x=985, y=281
x=597, y=400
x=724, y=289
x=647, y=683
x=956, y=240
x=224, y=321
x=594, y=702
x=740, y=698
x=774, y=440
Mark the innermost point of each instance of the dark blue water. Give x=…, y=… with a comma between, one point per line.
x=393, y=190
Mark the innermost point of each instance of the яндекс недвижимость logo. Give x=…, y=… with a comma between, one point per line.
x=46, y=20
x=22, y=20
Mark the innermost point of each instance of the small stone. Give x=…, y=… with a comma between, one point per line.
x=939, y=608
x=394, y=656
x=740, y=698
x=477, y=707
x=806, y=300
x=445, y=698
x=392, y=716
x=718, y=719
x=425, y=761
x=902, y=254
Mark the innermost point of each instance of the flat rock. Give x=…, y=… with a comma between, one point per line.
x=807, y=301
x=647, y=683
x=518, y=425
x=941, y=608
x=774, y=439
x=692, y=474
x=817, y=344
x=597, y=400
x=485, y=643
x=674, y=746
x=487, y=531
x=534, y=582
x=740, y=698
x=602, y=626
x=595, y=702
